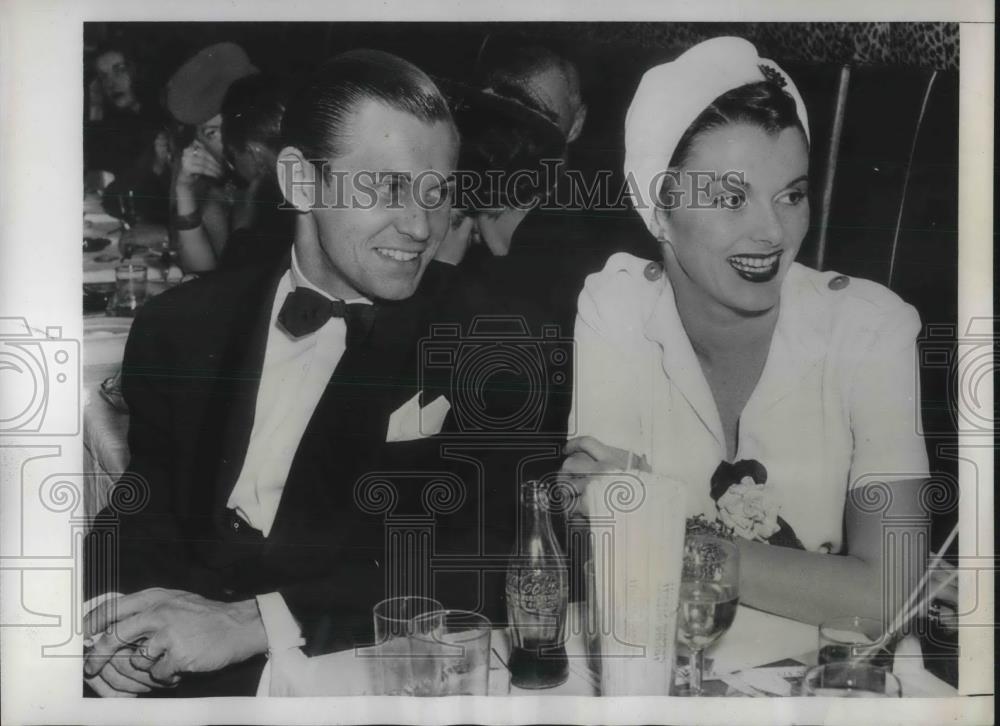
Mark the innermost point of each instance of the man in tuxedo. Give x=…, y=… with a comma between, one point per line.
x=263, y=398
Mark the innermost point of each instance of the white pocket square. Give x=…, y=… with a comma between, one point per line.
x=410, y=422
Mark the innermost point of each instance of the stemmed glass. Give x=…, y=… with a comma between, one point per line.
x=710, y=587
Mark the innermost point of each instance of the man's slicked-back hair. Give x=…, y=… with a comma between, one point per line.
x=318, y=118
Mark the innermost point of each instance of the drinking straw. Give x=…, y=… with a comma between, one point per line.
x=906, y=612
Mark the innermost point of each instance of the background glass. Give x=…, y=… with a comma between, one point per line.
x=450, y=654
x=848, y=637
x=130, y=289
x=391, y=671
x=851, y=680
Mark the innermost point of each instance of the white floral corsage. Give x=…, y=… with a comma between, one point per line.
x=751, y=509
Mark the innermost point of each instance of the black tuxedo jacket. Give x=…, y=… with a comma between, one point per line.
x=190, y=376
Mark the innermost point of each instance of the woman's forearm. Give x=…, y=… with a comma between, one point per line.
x=808, y=586
x=197, y=250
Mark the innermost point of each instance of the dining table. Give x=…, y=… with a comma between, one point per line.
x=108, y=243
x=762, y=655
x=113, y=241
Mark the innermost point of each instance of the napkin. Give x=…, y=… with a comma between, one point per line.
x=410, y=421
x=637, y=527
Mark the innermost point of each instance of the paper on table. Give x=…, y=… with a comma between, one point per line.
x=757, y=637
x=637, y=529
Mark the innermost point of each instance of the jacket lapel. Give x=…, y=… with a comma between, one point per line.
x=680, y=363
x=798, y=345
x=239, y=384
x=349, y=424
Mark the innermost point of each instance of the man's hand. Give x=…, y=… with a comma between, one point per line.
x=120, y=679
x=183, y=632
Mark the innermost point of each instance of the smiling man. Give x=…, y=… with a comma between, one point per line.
x=260, y=396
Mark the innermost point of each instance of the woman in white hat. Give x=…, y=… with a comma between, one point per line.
x=730, y=365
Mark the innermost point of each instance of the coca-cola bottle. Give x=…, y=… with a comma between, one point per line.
x=537, y=596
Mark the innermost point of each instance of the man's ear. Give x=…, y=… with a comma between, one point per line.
x=300, y=182
x=578, y=120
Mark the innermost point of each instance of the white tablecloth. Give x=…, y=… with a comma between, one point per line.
x=99, y=266
x=756, y=638
x=105, y=448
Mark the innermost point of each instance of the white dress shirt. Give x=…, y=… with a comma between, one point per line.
x=836, y=406
x=293, y=378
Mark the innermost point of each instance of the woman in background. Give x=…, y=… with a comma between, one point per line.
x=204, y=189
x=784, y=399
x=251, y=131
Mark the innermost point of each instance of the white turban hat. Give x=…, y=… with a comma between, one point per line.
x=672, y=95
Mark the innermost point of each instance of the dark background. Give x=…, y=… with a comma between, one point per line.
x=892, y=66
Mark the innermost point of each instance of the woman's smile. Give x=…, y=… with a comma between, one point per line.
x=756, y=268
x=734, y=251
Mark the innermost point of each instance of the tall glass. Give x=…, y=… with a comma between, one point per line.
x=710, y=587
x=392, y=648
x=130, y=290
x=449, y=654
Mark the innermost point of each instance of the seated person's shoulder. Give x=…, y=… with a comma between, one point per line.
x=207, y=301
x=622, y=294
x=625, y=279
x=852, y=303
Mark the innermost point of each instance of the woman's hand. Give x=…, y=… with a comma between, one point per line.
x=587, y=458
x=161, y=153
x=195, y=162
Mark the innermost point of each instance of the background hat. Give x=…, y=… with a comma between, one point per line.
x=672, y=95
x=196, y=90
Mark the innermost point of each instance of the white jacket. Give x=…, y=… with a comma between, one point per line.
x=837, y=404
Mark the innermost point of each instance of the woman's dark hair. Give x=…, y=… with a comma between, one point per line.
x=317, y=119
x=504, y=145
x=764, y=104
x=128, y=55
x=252, y=111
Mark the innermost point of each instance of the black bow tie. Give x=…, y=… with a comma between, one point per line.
x=305, y=311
